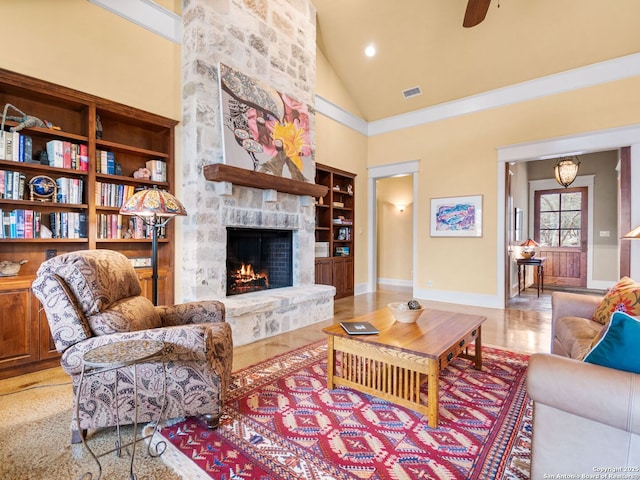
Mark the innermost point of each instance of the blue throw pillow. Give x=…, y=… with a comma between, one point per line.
x=619, y=347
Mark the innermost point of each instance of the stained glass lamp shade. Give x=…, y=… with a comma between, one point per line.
x=156, y=207
x=529, y=248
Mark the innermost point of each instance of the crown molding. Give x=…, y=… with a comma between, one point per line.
x=575, y=79
x=334, y=112
x=147, y=14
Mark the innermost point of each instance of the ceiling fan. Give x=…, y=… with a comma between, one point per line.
x=476, y=11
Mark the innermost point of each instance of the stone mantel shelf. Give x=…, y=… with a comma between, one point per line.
x=219, y=172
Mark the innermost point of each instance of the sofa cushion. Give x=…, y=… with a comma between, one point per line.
x=128, y=315
x=618, y=347
x=575, y=335
x=624, y=296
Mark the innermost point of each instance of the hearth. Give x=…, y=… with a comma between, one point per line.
x=258, y=259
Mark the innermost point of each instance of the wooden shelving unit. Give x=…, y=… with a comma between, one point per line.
x=335, y=227
x=133, y=137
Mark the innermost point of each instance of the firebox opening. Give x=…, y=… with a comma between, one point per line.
x=258, y=259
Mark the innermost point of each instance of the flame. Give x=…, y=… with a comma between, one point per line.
x=246, y=274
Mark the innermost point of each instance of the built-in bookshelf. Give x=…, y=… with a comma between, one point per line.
x=335, y=215
x=63, y=179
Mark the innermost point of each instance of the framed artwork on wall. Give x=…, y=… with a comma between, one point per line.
x=456, y=216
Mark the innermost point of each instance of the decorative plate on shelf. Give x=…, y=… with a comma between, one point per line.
x=42, y=187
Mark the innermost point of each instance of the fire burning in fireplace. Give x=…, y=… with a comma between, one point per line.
x=258, y=259
x=245, y=280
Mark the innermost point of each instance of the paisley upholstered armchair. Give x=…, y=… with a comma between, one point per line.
x=93, y=298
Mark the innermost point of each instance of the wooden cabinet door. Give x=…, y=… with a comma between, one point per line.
x=343, y=276
x=165, y=285
x=18, y=331
x=348, y=276
x=324, y=271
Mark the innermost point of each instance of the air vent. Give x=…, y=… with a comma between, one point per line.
x=411, y=92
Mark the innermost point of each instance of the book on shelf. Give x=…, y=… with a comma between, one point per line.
x=111, y=163
x=26, y=152
x=140, y=262
x=83, y=157
x=55, y=153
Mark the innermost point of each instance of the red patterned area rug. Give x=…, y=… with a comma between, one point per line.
x=281, y=422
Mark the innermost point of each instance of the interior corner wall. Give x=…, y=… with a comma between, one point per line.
x=272, y=41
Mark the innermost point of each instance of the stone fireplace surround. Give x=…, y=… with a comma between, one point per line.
x=274, y=41
x=257, y=315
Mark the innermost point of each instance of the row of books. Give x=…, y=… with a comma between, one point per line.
x=115, y=226
x=112, y=195
x=63, y=154
x=70, y=190
x=105, y=162
x=12, y=185
x=16, y=147
x=34, y=224
x=158, y=169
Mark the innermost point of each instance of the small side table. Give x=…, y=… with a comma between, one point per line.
x=113, y=357
x=522, y=266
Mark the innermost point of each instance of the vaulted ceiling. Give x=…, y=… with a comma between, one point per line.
x=423, y=43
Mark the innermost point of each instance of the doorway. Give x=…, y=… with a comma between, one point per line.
x=410, y=169
x=577, y=228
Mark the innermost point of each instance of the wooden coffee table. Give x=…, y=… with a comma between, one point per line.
x=394, y=363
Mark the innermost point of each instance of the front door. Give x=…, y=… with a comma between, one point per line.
x=560, y=227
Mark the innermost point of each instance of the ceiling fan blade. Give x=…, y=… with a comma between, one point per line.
x=476, y=11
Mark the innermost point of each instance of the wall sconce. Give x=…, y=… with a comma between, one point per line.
x=566, y=171
x=401, y=207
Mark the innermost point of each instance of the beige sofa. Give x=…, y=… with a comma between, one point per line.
x=585, y=417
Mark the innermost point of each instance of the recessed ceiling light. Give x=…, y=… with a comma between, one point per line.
x=370, y=51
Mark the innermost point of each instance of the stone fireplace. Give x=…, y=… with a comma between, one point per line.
x=258, y=259
x=274, y=41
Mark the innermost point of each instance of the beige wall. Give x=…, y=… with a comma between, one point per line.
x=82, y=46
x=458, y=156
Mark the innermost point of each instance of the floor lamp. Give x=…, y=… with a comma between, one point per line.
x=155, y=207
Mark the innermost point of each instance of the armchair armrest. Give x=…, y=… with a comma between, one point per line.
x=209, y=311
x=183, y=343
x=565, y=304
x=601, y=394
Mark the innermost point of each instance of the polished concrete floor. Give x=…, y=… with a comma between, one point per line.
x=522, y=327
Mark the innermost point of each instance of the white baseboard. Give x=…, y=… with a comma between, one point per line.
x=395, y=281
x=461, y=298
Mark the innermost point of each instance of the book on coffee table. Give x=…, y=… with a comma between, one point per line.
x=359, y=328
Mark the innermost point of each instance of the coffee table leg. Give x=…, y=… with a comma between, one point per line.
x=433, y=387
x=478, y=365
x=330, y=363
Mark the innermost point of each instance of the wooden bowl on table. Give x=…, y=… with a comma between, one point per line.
x=402, y=313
